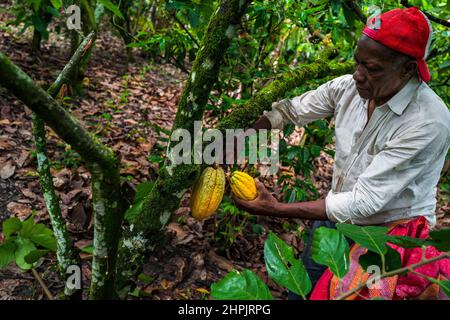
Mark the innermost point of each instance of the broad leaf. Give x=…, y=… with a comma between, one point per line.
x=406, y=242
x=330, y=248
x=392, y=261
x=243, y=285
x=35, y=255
x=111, y=7
x=11, y=225
x=284, y=268
x=445, y=286
x=7, y=255
x=440, y=239
x=143, y=189
x=24, y=247
x=372, y=238
x=56, y=4
x=39, y=234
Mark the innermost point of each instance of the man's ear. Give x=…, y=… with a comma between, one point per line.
x=410, y=68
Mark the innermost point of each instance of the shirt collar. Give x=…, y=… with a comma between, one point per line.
x=401, y=99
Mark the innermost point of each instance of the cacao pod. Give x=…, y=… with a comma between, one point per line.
x=243, y=186
x=207, y=193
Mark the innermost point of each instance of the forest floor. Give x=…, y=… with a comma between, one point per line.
x=122, y=104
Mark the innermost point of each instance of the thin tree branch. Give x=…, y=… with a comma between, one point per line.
x=43, y=285
x=352, y=5
x=440, y=21
x=174, y=15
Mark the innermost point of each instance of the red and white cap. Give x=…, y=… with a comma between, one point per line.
x=404, y=30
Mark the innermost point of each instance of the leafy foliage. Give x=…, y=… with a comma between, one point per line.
x=26, y=242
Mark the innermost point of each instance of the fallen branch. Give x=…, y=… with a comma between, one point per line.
x=43, y=285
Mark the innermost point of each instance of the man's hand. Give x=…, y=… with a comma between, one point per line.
x=265, y=204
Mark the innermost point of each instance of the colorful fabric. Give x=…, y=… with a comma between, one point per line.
x=407, y=286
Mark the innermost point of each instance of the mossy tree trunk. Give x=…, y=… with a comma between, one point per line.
x=65, y=253
x=109, y=204
x=158, y=207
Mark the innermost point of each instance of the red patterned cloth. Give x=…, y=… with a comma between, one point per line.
x=408, y=286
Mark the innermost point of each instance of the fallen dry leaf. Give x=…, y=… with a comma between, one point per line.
x=7, y=170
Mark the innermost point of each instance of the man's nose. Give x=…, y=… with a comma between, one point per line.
x=358, y=75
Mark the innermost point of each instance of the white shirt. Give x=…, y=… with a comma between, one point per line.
x=386, y=169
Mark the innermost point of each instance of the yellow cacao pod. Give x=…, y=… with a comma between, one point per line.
x=207, y=193
x=243, y=186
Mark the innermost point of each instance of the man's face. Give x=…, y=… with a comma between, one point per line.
x=377, y=75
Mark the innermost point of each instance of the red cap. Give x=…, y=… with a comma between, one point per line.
x=407, y=31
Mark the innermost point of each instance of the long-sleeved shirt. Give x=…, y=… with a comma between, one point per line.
x=387, y=168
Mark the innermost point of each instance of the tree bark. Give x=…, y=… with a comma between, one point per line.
x=148, y=228
x=109, y=204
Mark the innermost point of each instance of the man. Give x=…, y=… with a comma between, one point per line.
x=392, y=135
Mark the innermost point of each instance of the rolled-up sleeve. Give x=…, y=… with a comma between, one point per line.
x=400, y=162
x=310, y=106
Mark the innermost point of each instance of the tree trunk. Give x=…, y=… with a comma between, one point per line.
x=109, y=204
x=148, y=228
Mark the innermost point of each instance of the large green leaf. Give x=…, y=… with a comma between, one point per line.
x=372, y=238
x=35, y=255
x=38, y=233
x=445, y=286
x=7, y=255
x=330, y=248
x=56, y=4
x=24, y=247
x=243, y=285
x=284, y=268
x=11, y=225
x=440, y=239
x=392, y=261
x=111, y=7
x=406, y=242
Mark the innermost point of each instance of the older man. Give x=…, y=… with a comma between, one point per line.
x=392, y=135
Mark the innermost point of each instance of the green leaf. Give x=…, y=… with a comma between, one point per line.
x=143, y=189
x=24, y=247
x=35, y=255
x=111, y=7
x=284, y=268
x=133, y=211
x=372, y=238
x=7, y=255
x=445, y=286
x=57, y=4
x=11, y=225
x=440, y=239
x=88, y=249
x=330, y=248
x=392, y=258
x=406, y=242
x=244, y=285
x=39, y=234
